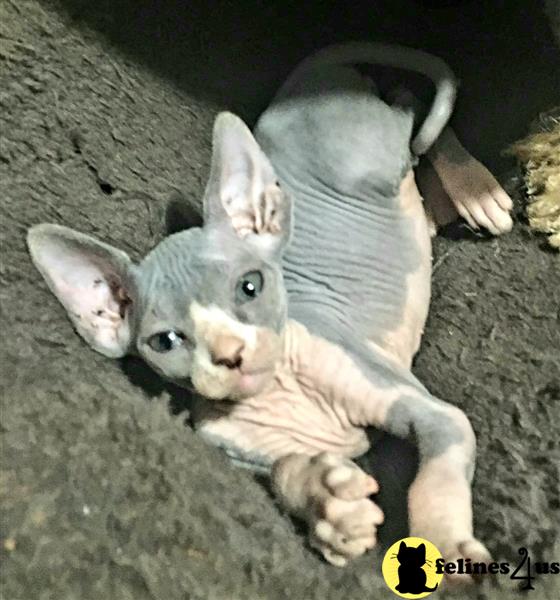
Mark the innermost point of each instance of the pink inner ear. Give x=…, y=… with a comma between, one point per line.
x=92, y=302
x=93, y=298
x=82, y=286
x=262, y=213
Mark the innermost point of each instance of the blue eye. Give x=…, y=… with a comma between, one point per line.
x=165, y=341
x=249, y=286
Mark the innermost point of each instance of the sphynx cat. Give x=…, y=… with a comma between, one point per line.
x=296, y=309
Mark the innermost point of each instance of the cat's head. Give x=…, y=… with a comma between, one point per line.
x=207, y=305
x=410, y=556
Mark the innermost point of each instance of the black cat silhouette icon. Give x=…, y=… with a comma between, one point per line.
x=409, y=568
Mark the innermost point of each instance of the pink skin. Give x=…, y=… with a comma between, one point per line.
x=474, y=192
x=457, y=184
x=251, y=383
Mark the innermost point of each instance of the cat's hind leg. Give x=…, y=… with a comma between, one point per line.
x=474, y=192
x=439, y=209
x=457, y=183
x=401, y=341
x=439, y=499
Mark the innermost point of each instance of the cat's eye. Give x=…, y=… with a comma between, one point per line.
x=249, y=286
x=165, y=341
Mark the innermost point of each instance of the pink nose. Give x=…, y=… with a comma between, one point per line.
x=227, y=351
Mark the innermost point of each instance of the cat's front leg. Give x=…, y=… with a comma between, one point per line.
x=332, y=495
x=439, y=499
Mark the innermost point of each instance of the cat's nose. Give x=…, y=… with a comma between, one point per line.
x=226, y=351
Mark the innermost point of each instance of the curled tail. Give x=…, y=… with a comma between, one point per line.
x=398, y=57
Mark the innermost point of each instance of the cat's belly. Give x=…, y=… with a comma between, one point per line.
x=366, y=268
x=360, y=250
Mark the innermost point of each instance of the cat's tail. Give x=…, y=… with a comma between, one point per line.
x=398, y=57
x=427, y=589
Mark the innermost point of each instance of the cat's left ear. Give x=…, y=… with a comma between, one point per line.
x=422, y=549
x=243, y=195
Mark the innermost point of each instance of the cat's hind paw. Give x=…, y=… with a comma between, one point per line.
x=477, y=196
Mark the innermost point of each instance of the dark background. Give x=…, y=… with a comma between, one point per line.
x=240, y=52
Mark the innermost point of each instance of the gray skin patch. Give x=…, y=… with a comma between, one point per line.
x=248, y=460
x=432, y=431
x=342, y=153
x=198, y=266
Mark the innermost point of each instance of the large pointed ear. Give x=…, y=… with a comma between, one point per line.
x=243, y=194
x=92, y=281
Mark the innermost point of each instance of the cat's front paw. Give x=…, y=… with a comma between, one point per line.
x=342, y=518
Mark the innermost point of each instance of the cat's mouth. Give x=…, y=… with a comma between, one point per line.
x=251, y=383
x=219, y=382
x=235, y=363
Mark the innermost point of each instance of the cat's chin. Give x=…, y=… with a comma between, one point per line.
x=241, y=385
x=251, y=384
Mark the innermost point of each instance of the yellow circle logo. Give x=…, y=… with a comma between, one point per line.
x=409, y=568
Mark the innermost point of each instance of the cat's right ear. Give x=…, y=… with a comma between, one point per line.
x=92, y=280
x=243, y=196
x=402, y=547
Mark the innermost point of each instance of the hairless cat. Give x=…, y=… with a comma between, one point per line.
x=296, y=309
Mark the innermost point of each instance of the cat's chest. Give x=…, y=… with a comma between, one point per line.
x=306, y=408
x=289, y=417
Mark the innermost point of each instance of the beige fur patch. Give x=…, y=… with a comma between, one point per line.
x=261, y=349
